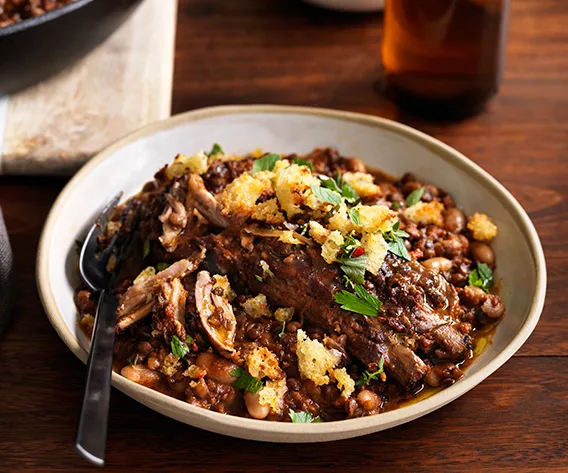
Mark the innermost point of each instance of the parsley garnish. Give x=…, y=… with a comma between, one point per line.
x=332, y=184
x=349, y=194
x=354, y=268
x=342, y=188
x=361, y=302
x=179, y=348
x=246, y=381
x=146, y=249
x=216, y=149
x=303, y=417
x=266, y=163
x=326, y=195
x=395, y=206
x=354, y=216
x=394, y=238
x=482, y=277
x=414, y=197
x=258, y=278
x=301, y=162
x=162, y=266
x=189, y=340
x=368, y=377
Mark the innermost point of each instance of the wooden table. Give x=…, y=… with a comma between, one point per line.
x=282, y=51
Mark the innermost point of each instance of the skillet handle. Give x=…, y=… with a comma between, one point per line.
x=92, y=430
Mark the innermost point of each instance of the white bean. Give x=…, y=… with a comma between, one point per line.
x=439, y=263
x=254, y=407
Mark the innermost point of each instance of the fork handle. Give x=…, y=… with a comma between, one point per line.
x=92, y=430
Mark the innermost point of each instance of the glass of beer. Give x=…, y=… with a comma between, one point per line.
x=443, y=58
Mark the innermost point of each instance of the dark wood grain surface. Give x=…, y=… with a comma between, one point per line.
x=284, y=52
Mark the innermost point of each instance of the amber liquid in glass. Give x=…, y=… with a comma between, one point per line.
x=443, y=58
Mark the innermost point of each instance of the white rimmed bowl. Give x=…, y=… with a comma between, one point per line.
x=383, y=144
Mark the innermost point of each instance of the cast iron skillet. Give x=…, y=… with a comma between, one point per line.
x=39, y=47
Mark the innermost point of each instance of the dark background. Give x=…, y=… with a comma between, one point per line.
x=285, y=52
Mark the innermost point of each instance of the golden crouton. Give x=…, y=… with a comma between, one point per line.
x=344, y=382
x=318, y=232
x=240, y=196
x=332, y=247
x=427, y=213
x=195, y=372
x=376, y=250
x=375, y=218
x=363, y=183
x=293, y=187
x=182, y=164
x=272, y=395
x=262, y=363
x=284, y=314
x=482, y=227
x=340, y=221
x=315, y=361
x=268, y=212
x=170, y=365
x=287, y=236
x=257, y=307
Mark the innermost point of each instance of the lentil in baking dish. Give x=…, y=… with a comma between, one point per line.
x=298, y=289
x=14, y=11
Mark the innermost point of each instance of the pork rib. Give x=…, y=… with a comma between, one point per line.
x=305, y=282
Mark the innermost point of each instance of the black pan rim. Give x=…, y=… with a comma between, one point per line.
x=38, y=20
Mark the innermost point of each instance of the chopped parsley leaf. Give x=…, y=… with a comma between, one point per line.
x=246, y=381
x=354, y=216
x=146, y=249
x=482, y=277
x=303, y=417
x=368, y=377
x=179, y=348
x=361, y=302
x=342, y=188
x=266, y=163
x=216, y=149
x=349, y=194
x=395, y=206
x=330, y=183
x=326, y=195
x=414, y=197
x=189, y=340
x=394, y=238
x=301, y=162
x=162, y=266
x=258, y=278
x=354, y=268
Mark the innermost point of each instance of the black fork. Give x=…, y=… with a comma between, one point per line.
x=99, y=270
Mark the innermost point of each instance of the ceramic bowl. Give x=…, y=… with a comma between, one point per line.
x=383, y=144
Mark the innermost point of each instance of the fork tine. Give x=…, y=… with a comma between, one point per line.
x=90, y=245
x=103, y=218
x=105, y=254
